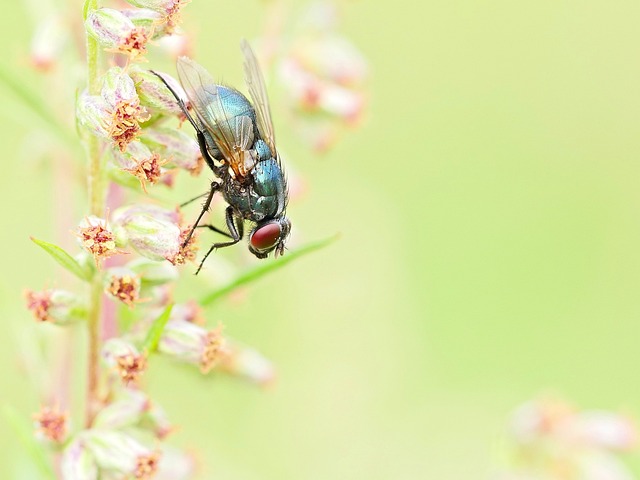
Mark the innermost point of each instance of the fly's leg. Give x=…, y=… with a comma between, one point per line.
x=193, y=199
x=201, y=140
x=215, y=186
x=216, y=229
x=236, y=228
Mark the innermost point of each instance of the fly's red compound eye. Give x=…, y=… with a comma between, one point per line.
x=266, y=237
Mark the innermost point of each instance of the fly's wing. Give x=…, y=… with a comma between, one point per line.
x=233, y=136
x=258, y=91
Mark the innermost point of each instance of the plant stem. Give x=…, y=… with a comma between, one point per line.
x=97, y=208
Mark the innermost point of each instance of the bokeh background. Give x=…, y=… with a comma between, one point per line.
x=489, y=214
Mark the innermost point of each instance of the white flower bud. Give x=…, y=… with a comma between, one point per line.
x=78, y=463
x=117, y=451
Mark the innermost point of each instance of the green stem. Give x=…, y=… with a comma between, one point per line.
x=96, y=187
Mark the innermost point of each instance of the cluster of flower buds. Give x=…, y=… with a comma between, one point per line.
x=129, y=255
x=323, y=75
x=132, y=103
x=554, y=440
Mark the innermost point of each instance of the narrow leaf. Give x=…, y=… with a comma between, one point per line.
x=36, y=105
x=265, y=268
x=155, y=332
x=63, y=258
x=24, y=434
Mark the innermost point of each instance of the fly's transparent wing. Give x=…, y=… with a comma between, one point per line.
x=258, y=91
x=233, y=136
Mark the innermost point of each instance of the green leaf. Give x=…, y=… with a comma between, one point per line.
x=36, y=104
x=155, y=332
x=63, y=258
x=265, y=268
x=24, y=433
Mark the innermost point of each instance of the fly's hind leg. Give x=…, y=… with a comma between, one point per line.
x=236, y=229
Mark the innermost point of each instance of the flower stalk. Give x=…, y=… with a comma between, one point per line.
x=96, y=207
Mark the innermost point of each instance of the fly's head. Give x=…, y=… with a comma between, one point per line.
x=269, y=235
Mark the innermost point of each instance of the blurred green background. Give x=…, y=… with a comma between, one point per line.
x=489, y=213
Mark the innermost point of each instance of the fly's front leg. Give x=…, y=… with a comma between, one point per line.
x=193, y=199
x=196, y=125
x=215, y=186
x=236, y=229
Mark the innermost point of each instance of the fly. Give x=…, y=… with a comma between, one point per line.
x=237, y=141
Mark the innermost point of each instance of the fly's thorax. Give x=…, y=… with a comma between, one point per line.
x=234, y=103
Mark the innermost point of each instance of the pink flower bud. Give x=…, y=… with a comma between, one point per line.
x=155, y=420
x=140, y=162
x=56, y=306
x=176, y=45
x=127, y=410
x=248, y=363
x=152, y=22
x=177, y=147
x=78, y=463
x=609, y=430
x=151, y=231
x=93, y=113
x=193, y=344
x=170, y=10
x=153, y=93
x=118, y=452
x=47, y=43
x=175, y=465
x=117, y=32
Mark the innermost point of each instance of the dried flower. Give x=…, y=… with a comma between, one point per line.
x=96, y=238
x=125, y=358
x=193, y=344
x=51, y=424
x=123, y=284
x=56, y=306
x=119, y=452
x=78, y=463
x=116, y=32
x=186, y=252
